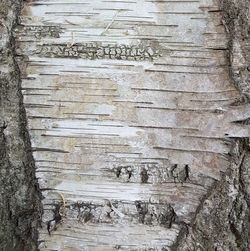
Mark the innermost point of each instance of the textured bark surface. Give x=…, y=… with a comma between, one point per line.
x=236, y=20
x=20, y=198
x=222, y=219
x=139, y=137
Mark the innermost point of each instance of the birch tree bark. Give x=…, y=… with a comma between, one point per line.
x=137, y=125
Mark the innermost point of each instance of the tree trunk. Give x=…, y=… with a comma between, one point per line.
x=138, y=116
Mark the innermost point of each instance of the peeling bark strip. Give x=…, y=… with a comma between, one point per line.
x=20, y=197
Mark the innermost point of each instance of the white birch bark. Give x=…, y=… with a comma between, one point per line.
x=129, y=104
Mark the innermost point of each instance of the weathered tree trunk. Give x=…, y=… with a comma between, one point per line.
x=222, y=220
x=138, y=116
x=20, y=198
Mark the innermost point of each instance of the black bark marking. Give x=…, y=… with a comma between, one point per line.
x=144, y=175
x=51, y=225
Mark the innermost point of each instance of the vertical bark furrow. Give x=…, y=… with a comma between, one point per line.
x=20, y=197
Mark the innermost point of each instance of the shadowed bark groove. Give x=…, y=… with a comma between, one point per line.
x=20, y=207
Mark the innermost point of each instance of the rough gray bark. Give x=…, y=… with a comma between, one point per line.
x=236, y=20
x=222, y=218
x=20, y=198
